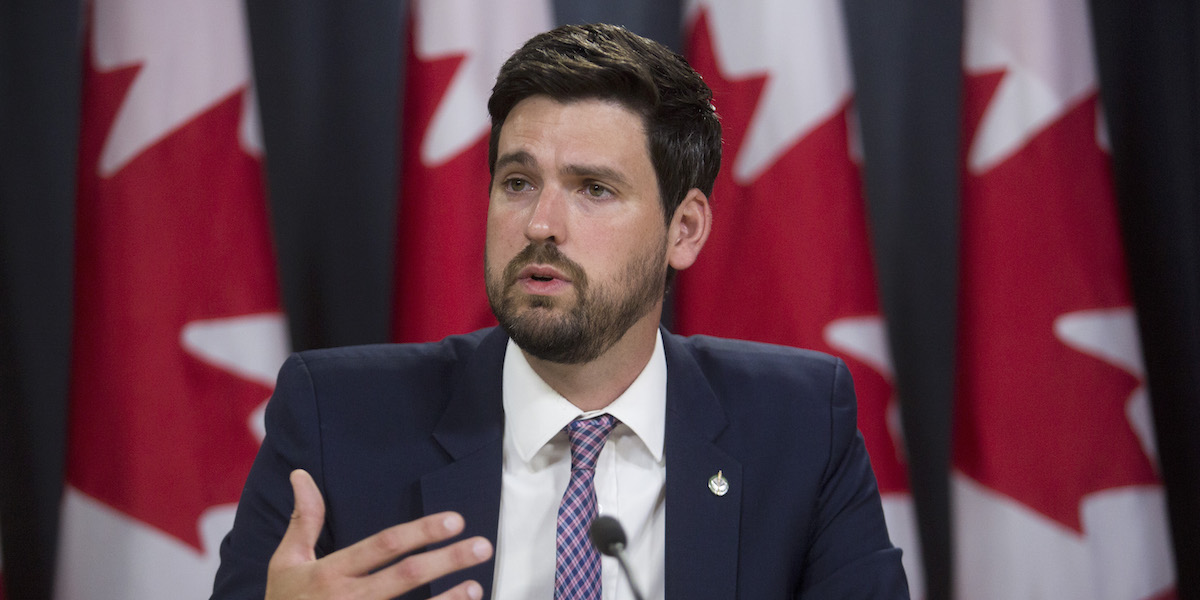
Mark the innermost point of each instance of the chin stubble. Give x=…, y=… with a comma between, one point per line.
x=599, y=318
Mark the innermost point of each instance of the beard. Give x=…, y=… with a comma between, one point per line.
x=599, y=317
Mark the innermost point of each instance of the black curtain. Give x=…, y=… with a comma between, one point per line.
x=1148, y=55
x=661, y=21
x=40, y=58
x=328, y=76
x=907, y=62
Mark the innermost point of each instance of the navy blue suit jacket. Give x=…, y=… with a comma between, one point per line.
x=393, y=432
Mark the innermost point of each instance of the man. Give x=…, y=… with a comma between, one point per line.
x=735, y=467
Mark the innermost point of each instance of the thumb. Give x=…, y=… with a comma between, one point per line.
x=308, y=516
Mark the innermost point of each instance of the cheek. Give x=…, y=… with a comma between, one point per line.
x=503, y=240
x=610, y=250
x=501, y=225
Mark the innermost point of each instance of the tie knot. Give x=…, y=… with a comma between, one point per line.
x=587, y=438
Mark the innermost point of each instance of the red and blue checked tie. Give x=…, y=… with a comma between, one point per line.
x=577, y=568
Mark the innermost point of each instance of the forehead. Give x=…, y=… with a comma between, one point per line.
x=577, y=131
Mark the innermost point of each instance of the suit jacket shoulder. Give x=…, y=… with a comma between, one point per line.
x=800, y=514
x=376, y=427
x=738, y=365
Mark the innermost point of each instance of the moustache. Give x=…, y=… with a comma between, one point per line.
x=544, y=254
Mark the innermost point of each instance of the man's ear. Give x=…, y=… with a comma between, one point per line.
x=688, y=230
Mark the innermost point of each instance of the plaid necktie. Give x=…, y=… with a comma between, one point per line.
x=577, y=566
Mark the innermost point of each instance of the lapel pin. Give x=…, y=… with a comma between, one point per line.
x=718, y=485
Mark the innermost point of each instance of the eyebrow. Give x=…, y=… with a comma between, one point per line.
x=519, y=157
x=525, y=159
x=597, y=172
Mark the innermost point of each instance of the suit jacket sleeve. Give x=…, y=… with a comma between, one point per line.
x=850, y=555
x=292, y=442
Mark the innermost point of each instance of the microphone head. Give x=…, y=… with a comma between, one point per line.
x=607, y=535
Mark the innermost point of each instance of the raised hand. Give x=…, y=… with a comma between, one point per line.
x=295, y=573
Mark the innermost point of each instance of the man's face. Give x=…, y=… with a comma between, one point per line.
x=576, y=243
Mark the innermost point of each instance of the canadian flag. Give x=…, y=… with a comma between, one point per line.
x=1056, y=488
x=178, y=329
x=454, y=49
x=789, y=257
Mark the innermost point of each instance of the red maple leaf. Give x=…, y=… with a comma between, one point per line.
x=1036, y=420
x=442, y=218
x=789, y=251
x=178, y=234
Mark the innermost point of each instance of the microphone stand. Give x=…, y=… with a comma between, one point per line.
x=619, y=553
x=609, y=538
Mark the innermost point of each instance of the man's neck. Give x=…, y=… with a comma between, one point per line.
x=595, y=384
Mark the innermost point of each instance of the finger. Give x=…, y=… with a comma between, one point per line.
x=467, y=590
x=394, y=542
x=308, y=516
x=420, y=569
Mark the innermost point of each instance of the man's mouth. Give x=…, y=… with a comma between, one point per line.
x=541, y=279
x=541, y=272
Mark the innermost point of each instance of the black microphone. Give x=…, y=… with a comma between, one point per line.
x=609, y=538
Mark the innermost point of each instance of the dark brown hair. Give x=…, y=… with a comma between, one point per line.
x=607, y=62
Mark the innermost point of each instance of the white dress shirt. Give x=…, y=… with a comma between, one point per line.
x=630, y=477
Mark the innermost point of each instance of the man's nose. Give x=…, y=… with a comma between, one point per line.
x=548, y=217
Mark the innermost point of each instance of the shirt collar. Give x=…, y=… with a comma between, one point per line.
x=535, y=412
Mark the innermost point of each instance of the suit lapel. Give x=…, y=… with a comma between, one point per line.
x=702, y=527
x=471, y=432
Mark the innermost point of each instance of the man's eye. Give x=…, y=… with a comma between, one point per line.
x=596, y=190
x=516, y=184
